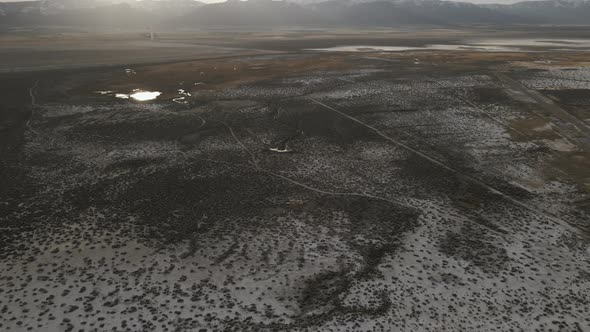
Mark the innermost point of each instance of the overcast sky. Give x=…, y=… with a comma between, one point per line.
x=473, y=1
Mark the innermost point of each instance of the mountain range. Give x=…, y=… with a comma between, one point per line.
x=189, y=13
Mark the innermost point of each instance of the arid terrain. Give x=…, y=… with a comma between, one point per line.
x=320, y=180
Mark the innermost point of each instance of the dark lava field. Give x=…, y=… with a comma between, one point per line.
x=370, y=190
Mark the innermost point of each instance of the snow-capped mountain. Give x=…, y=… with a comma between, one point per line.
x=550, y=11
x=289, y=12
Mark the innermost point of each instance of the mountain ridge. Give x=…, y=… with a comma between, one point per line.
x=294, y=12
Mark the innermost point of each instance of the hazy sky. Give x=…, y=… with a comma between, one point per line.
x=473, y=1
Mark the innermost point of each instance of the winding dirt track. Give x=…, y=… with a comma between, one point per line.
x=255, y=165
x=533, y=209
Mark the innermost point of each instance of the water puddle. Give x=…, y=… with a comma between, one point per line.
x=563, y=44
x=477, y=48
x=137, y=95
x=360, y=48
x=480, y=45
x=103, y=93
x=130, y=72
x=145, y=95
x=285, y=150
x=437, y=47
x=182, y=97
